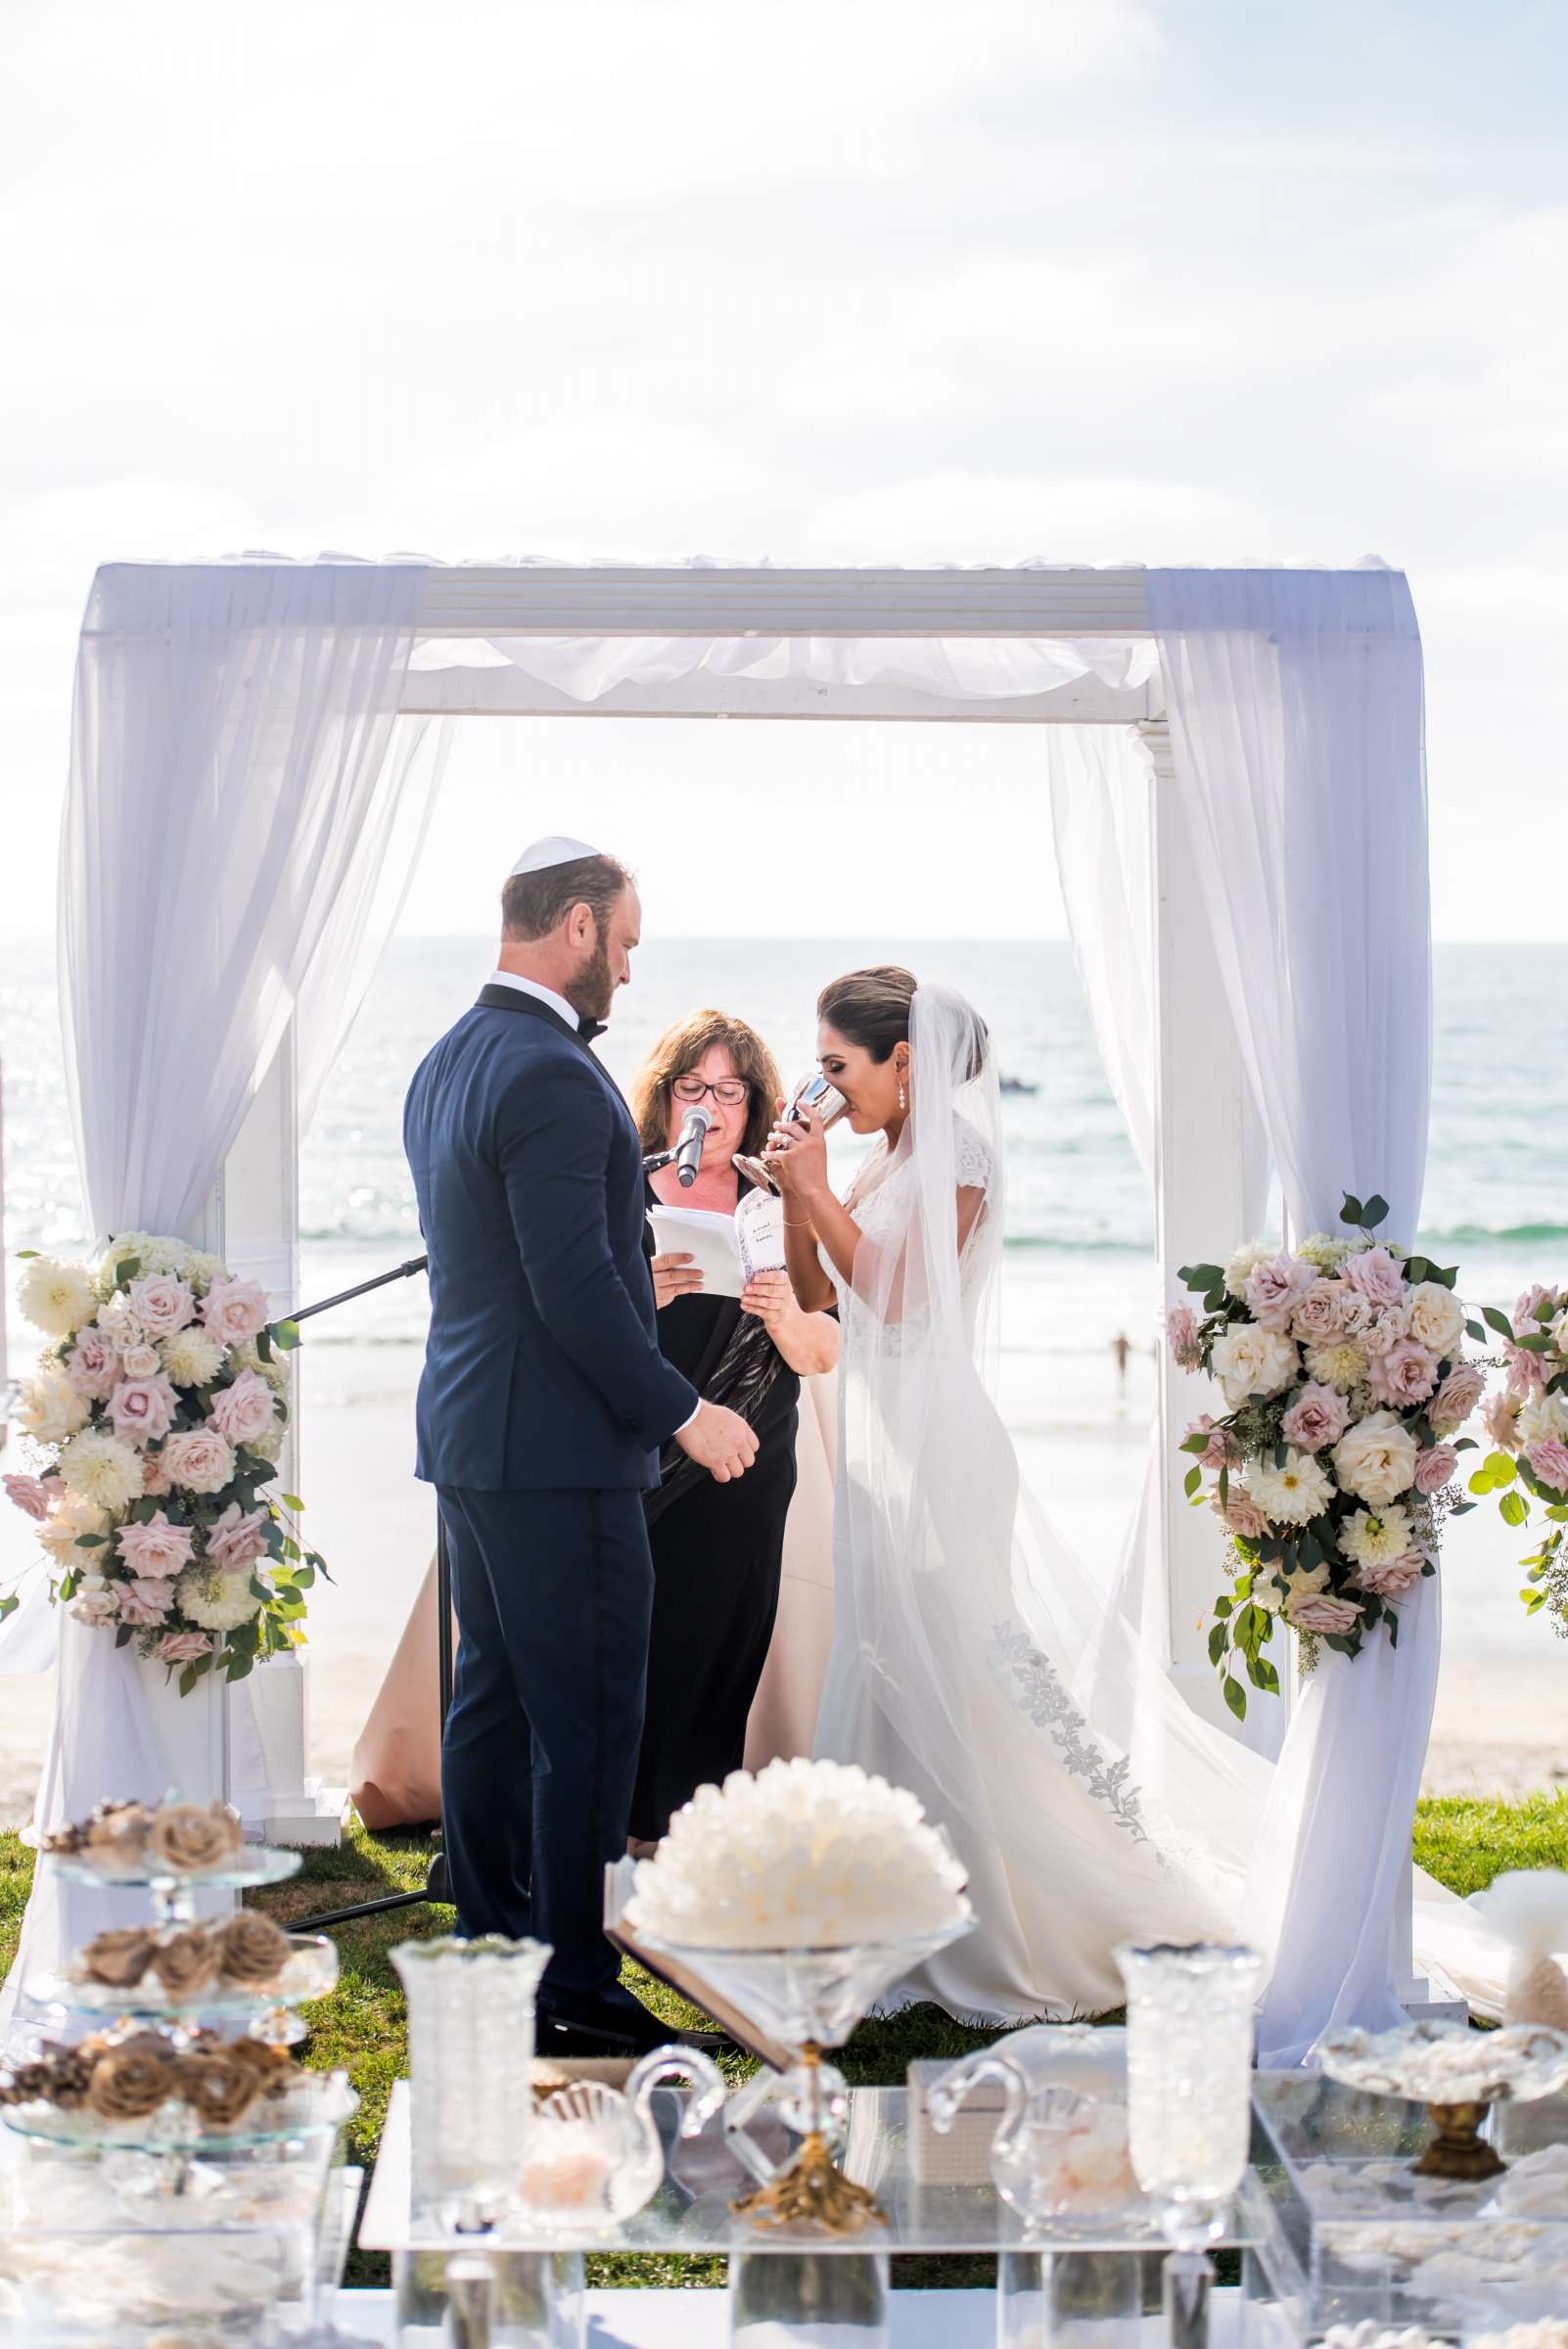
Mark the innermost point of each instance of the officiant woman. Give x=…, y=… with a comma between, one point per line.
x=718, y=1549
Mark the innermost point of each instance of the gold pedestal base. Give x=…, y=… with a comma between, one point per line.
x=1458, y=2150
x=815, y=2190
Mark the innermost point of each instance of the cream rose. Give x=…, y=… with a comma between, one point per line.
x=1329, y=1618
x=49, y=1409
x=1321, y=1315
x=1375, y=1460
x=1455, y=1399
x=1434, y=1318
x=1248, y=1361
x=1544, y=1417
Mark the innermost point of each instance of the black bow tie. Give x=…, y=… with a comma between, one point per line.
x=590, y=1029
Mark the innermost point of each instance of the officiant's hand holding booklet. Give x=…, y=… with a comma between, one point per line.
x=727, y=1251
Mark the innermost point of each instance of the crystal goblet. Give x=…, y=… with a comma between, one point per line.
x=1190, y=2036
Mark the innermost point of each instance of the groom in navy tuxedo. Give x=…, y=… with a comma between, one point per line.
x=542, y=1410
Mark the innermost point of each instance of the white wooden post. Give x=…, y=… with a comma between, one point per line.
x=269, y=1726
x=1205, y=1136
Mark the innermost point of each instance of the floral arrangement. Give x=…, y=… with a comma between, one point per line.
x=806, y=1855
x=156, y=1419
x=1526, y=1421
x=1342, y=1363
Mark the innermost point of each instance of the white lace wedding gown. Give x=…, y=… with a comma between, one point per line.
x=967, y=1637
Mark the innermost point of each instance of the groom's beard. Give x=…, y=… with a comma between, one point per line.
x=592, y=990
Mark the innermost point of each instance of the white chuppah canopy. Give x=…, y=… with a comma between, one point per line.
x=246, y=795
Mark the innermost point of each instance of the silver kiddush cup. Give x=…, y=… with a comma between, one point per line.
x=815, y=1093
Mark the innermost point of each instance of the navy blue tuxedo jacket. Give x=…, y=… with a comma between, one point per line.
x=542, y=1370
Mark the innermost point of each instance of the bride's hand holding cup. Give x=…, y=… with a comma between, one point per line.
x=795, y=1158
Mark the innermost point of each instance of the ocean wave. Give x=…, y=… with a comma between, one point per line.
x=1493, y=1235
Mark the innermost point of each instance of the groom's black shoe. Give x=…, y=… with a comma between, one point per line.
x=611, y=2023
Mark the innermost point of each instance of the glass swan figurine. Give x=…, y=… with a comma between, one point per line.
x=1060, y=2150
x=595, y=2156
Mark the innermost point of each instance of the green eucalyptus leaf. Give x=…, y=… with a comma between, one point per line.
x=1235, y=1696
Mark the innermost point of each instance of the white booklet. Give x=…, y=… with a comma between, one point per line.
x=728, y=1250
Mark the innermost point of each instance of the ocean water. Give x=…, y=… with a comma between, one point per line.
x=1079, y=1265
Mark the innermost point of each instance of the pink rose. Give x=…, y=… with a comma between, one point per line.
x=234, y=1310
x=1223, y=1451
x=1548, y=1462
x=1321, y=1612
x=155, y=1547
x=1433, y=1469
x=93, y=1368
x=1382, y=1332
x=1317, y=1417
x=1242, y=1514
x=1275, y=1287
x=1404, y=1375
x=155, y=1475
x=143, y=1603
x=143, y=1408
x=1321, y=1315
x=1456, y=1397
x=237, y=1537
x=183, y=1647
x=1182, y=1334
x=28, y=1491
x=244, y=1410
x=162, y=1304
x=1527, y=1371
x=1501, y=1418
x=1395, y=1578
x=1375, y=1275
x=1523, y=1316
x=200, y=1460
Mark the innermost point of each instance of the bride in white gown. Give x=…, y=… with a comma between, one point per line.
x=971, y=1648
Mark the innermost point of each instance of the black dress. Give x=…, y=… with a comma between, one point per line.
x=717, y=1551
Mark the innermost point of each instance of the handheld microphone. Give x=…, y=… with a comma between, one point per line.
x=695, y=1127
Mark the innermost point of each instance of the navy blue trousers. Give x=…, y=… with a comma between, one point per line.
x=553, y=1593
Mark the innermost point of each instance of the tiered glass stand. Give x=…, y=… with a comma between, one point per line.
x=1341, y=2228
x=789, y=2285
x=141, y=2229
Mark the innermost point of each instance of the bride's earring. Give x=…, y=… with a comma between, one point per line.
x=903, y=1098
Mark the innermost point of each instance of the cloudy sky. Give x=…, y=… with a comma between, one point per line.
x=843, y=281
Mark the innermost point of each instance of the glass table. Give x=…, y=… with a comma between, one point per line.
x=1340, y=2231
x=789, y=2286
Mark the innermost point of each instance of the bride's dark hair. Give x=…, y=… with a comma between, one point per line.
x=871, y=1008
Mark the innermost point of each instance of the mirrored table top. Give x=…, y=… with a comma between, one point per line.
x=691, y=2209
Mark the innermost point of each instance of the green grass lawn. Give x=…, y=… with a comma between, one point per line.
x=361, y=2028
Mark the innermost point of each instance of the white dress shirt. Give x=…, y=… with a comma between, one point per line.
x=556, y=1003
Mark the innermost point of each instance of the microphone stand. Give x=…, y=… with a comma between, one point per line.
x=435, y=1886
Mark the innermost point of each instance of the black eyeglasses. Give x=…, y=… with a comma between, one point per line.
x=730, y=1091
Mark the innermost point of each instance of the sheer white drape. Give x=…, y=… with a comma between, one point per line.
x=1295, y=707
x=244, y=812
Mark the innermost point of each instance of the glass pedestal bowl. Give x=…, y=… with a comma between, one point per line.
x=805, y=2000
x=1458, y=2075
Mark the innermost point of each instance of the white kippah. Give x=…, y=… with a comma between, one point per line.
x=555, y=848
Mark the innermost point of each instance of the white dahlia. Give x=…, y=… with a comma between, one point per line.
x=1376, y=1536
x=219, y=1599
x=1292, y=1495
x=1339, y=1364
x=269, y=1445
x=191, y=1356
x=57, y=1298
x=277, y=1372
x=154, y=1253
x=98, y=1467
x=1248, y=1360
